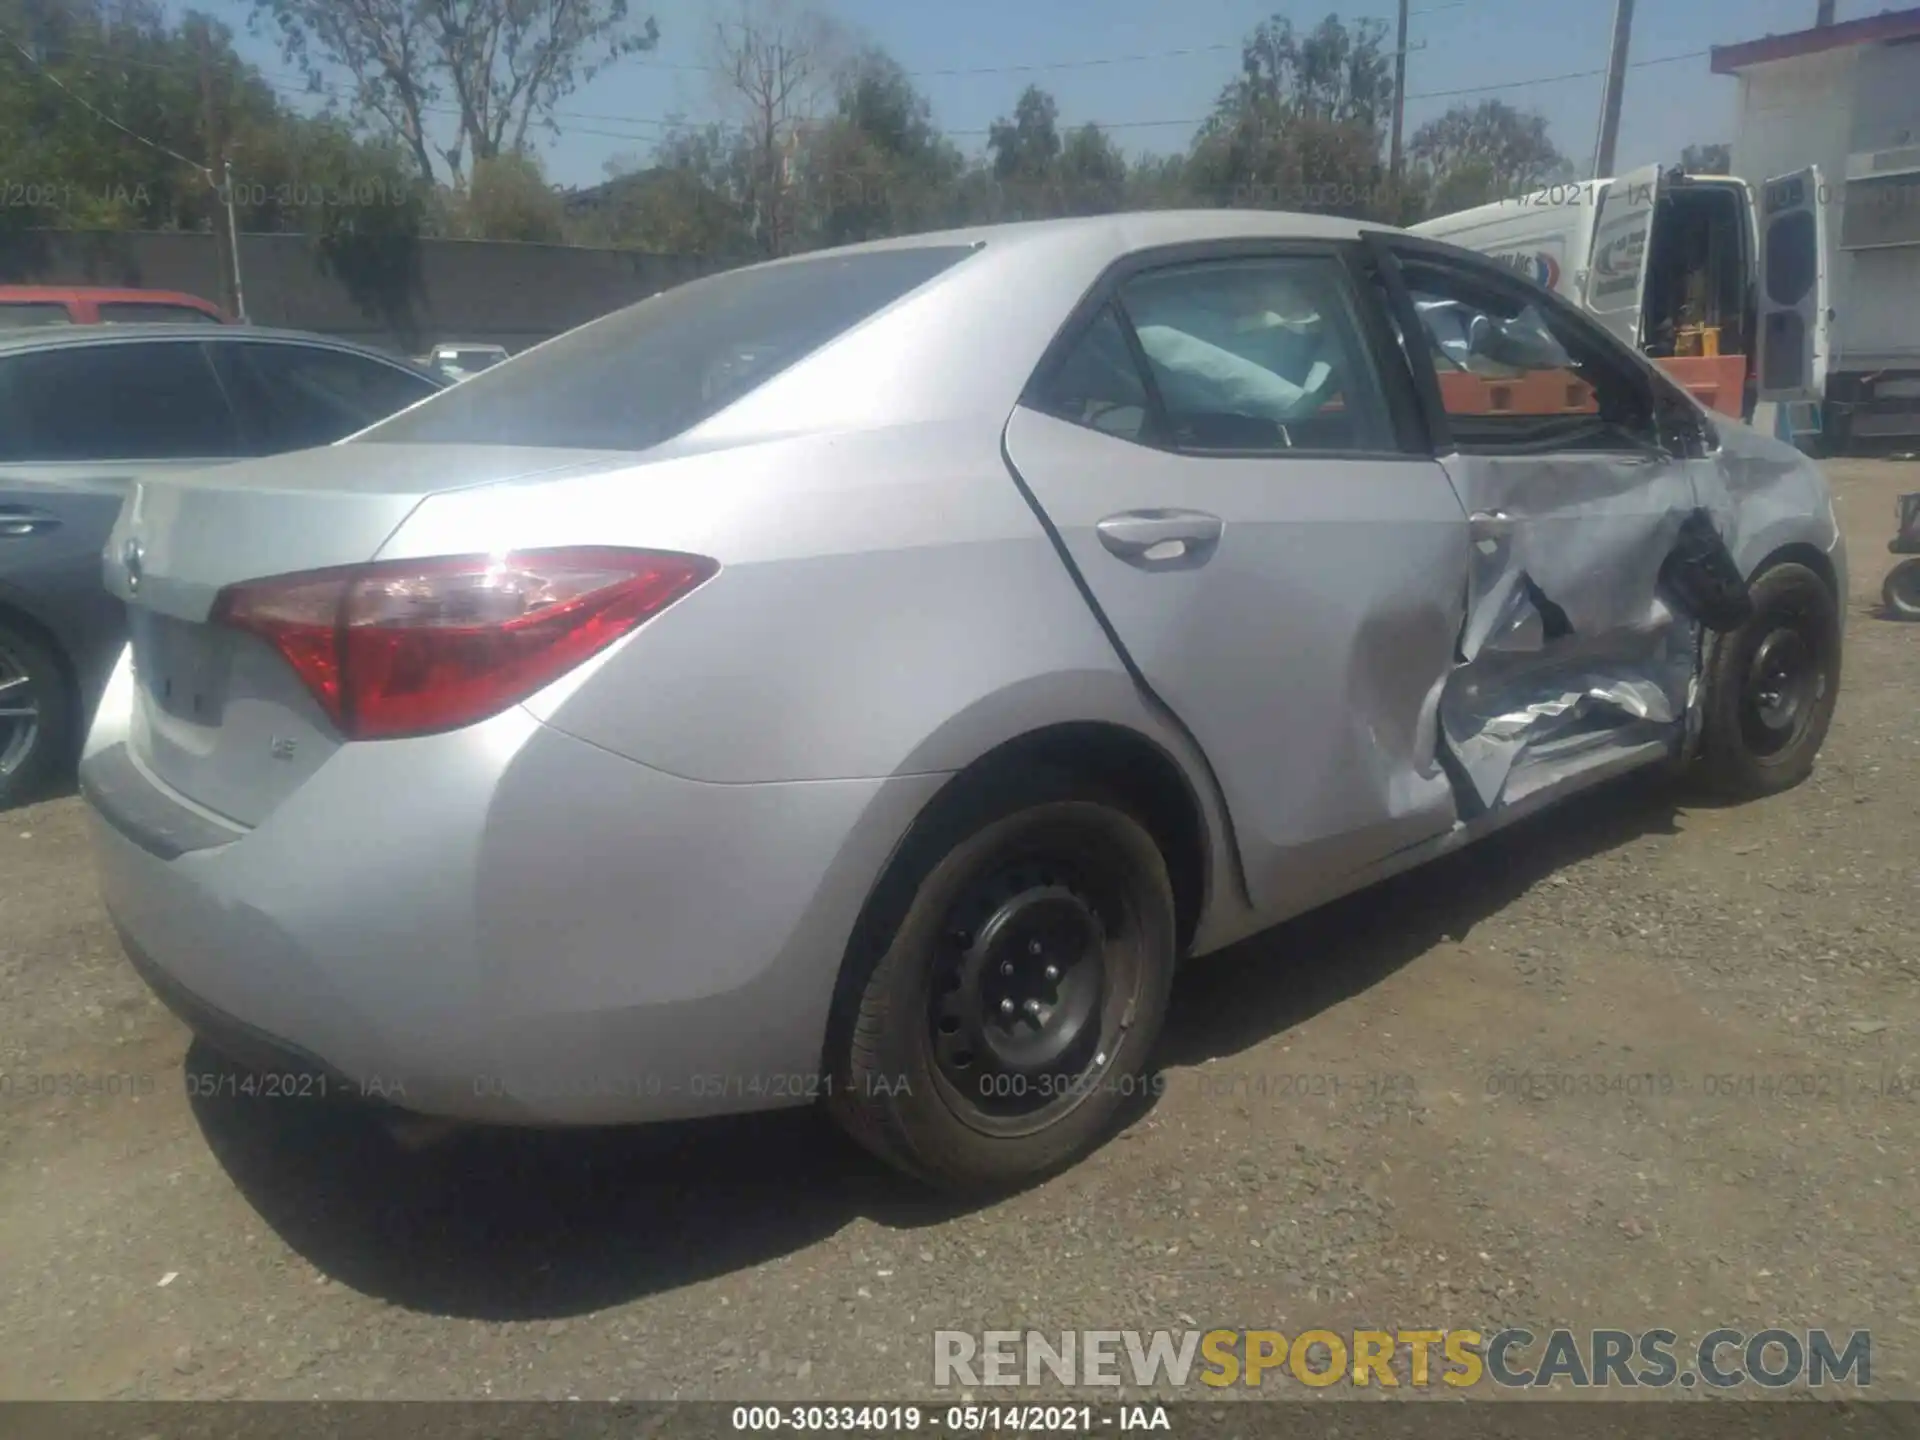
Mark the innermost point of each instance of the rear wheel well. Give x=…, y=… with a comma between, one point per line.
x=1133, y=769
x=1108, y=758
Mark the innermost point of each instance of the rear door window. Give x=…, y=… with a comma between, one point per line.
x=155, y=400
x=292, y=397
x=647, y=373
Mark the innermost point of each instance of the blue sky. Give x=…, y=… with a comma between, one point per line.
x=1456, y=45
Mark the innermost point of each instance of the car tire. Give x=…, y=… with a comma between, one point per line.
x=1900, y=593
x=31, y=678
x=1771, y=686
x=1008, y=1018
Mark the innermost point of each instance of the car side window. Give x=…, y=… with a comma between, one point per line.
x=293, y=397
x=1516, y=375
x=1260, y=354
x=1098, y=384
x=157, y=400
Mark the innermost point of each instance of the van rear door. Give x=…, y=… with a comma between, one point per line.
x=1793, y=344
x=1616, y=284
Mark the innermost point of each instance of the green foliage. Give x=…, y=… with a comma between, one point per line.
x=506, y=198
x=497, y=66
x=1476, y=154
x=184, y=89
x=824, y=147
x=1302, y=126
x=1707, y=159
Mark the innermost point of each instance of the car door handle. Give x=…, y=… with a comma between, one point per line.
x=1492, y=522
x=17, y=521
x=1161, y=539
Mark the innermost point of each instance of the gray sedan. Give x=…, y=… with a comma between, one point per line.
x=863, y=678
x=85, y=409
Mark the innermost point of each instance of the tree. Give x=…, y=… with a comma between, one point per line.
x=100, y=73
x=1489, y=151
x=500, y=65
x=1707, y=159
x=1092, y=173
x=1300, y=127
x=773, y=64
x=1157, y=182
x=878, y=166
x=1026, y=147
x=507, y=198
x=691, y=199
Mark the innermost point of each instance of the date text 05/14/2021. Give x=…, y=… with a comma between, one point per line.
x=965, y=1419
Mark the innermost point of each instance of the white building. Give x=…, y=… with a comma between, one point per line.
x=1846, y=97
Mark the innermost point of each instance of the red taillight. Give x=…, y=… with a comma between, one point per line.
x=410, y=647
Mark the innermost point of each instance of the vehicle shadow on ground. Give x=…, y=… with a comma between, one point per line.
x=1232, y=1000
x=61, y=785
x=516, y=1225
x=509, y=1224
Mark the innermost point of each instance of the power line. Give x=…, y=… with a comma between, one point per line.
x=1554, y=79
x=667, y=123
x=98, y=113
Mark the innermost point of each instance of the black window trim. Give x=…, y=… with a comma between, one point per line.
x=1385, y=246
x=1403, y=414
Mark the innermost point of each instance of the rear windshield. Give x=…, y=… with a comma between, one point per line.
x=647, y=373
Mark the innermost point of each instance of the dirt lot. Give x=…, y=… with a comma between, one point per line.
x=1338, y=1143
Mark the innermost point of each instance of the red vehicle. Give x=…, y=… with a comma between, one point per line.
x=25, y=306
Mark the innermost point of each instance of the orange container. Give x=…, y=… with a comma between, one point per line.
x=1716, y=381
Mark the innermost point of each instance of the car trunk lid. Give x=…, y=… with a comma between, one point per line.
x=219, y=717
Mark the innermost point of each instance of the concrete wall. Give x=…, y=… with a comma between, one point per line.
x=397, y=293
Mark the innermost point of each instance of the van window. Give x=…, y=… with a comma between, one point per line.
x=151, y=312
x=31, y=314
x=645, y=374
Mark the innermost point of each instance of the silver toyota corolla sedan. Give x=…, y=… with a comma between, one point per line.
x=862, y=678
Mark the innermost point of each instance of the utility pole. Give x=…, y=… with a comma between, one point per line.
x=213, y=137
x=1824, y=15
x=1616, y=84
x=1399, y=97
x=233, y=244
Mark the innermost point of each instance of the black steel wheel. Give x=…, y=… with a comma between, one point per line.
x=1901, y=590
x=35, y=714
x=1011, y=1016
x=1772, y=684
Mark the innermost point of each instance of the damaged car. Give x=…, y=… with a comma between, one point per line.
x=862, y=679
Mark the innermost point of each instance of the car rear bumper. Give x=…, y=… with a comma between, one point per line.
x=507, y=925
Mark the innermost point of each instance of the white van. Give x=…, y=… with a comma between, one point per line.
x=1672, y=263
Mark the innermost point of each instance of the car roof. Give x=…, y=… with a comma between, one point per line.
x=1126, y=231
x=110, y=293
x=77, y=336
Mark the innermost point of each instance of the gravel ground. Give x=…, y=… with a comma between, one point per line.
x=1336, y=1145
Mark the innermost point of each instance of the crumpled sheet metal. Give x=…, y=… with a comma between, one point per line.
x=1566, y=627
x=1506, y=705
